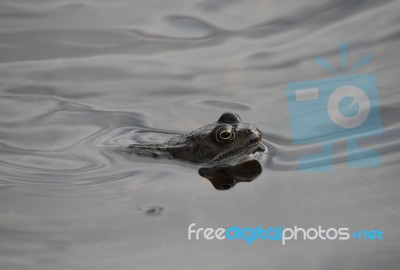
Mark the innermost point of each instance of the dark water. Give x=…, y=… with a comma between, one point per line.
x=75, y=74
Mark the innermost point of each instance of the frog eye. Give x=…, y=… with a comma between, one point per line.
x=225, y=134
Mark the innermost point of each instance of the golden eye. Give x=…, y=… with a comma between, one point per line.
x=225, y=134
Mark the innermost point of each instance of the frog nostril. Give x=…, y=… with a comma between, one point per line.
x=249, y=131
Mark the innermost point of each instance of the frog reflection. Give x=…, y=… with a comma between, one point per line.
x=226, y=177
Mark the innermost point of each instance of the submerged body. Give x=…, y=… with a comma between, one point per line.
x=224, y=140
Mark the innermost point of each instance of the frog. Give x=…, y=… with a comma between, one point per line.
x=226, y=140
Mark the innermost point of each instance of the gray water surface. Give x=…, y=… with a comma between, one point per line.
x=76, y=74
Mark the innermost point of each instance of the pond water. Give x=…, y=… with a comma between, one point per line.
x=77, y=74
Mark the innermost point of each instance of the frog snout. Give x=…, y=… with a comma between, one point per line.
x=258, y=132
x=254, y=131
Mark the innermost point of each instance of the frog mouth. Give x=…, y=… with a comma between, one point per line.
x=246, y=149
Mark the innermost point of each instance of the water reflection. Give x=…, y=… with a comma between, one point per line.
x=225, y=177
